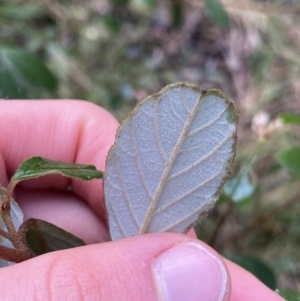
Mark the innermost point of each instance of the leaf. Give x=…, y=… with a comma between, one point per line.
x=9, y=88
x=216, y=13
x=290, y=159
x=38, y=166
x=171, y=157
x=17, y=217
x=16, y=213
x=239, y=189
x=290, y=118
x=27, y=69
x=43, y=237
x=289, y=295
x=257, y=267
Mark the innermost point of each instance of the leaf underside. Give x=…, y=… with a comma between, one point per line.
x=17, y=218
x=170, y=159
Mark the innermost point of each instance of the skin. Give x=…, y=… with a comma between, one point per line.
x=80, y=132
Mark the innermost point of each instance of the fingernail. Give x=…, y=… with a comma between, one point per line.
x=189, y=272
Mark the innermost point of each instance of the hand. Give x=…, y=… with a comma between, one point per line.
x=154, y=267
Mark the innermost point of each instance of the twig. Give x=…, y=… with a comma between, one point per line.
x=13, y=255
x=3, y=233
x=9, y=191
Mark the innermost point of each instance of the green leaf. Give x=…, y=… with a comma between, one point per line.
x=290, y=159
x=289, y=295
x=43, y=237
x=27, y=69
x=9, y=88
x=257, y=267
x=38, y=166
x=216, y=13
x=239, y=189
x=290, y=118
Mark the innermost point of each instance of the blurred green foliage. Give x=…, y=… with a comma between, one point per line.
x=289, y=295
x=116, y=52
x=257, y=267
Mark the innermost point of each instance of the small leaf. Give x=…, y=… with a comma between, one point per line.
x=43, y=237
x=257, y=267
x=239, y=189
x=27, y=69
x=171, y=157
x=16, y=214
x=17, y=217
x=289, y=295
x=290, y=159
x=38, y=166
x=216, y=13
x=290, y=118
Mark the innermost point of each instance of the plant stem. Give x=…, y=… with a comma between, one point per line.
x=9, y=191
x=12, y=233
x=4, y=233
x=22, y=251
x=13, y=255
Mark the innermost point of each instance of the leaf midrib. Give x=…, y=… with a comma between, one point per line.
x=168, y=168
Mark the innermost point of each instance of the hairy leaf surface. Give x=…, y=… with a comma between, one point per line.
x=170, y=159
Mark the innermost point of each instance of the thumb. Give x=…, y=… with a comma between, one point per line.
x=154, y=267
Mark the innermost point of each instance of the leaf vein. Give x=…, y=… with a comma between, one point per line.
x=138, y=163
x=183, y=101
x=128, y=203
x=173, y=111
x=168, y=167
x=200, y=129
x=117, y=220
x=158, y=138
x=187, y=193
x=211, y=153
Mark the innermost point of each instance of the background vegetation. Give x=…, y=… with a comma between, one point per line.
x=114, y=53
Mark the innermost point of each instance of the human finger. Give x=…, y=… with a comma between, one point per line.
x=65, y=210
x=72, y=131
x=244, y=285
x=154, y=267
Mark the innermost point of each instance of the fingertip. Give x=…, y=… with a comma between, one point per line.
x=154, y=267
